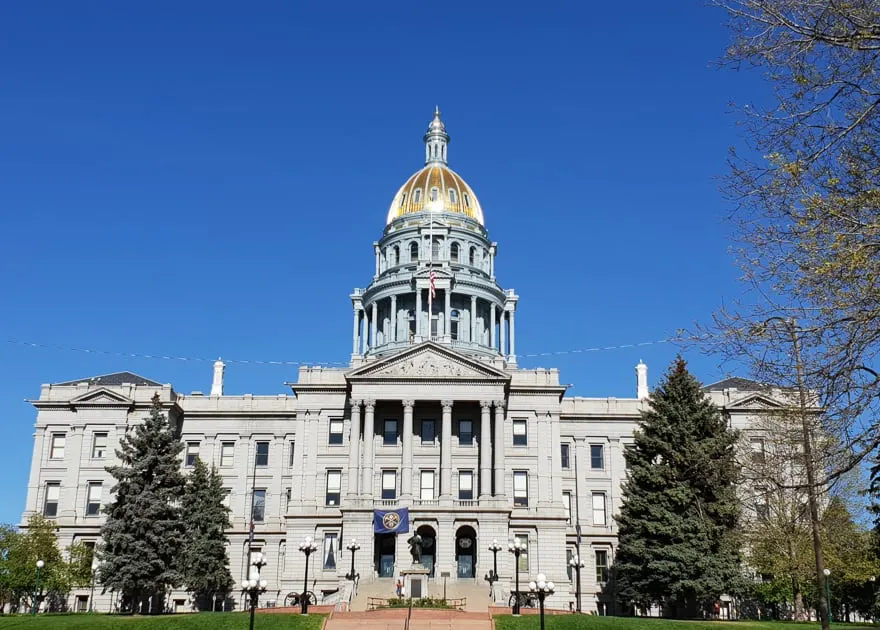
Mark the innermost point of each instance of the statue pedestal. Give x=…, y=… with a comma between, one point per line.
x=415, y=580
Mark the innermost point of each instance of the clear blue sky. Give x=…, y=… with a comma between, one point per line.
x=207, y=178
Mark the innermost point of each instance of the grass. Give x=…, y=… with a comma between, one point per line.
x=198, y=621
x=591, y=622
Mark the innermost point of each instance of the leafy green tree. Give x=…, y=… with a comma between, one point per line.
x=79, y=564
x=206, y=518
x=9, y=541
x=38, y=542
x=143, y=535
x=678, y=523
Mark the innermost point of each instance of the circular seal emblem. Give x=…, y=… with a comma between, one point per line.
x=391, y=520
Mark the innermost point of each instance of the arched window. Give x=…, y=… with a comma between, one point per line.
x=411, y=316
x=485, y=260
x=453, y=324
x=417, y=195
x=453, y=252
x=413, y=252
x=472, y=256
x=395, y=256
x=435, y=249
x=435, y=194
x=452, y=195
x=402, y=199
x=467, y=200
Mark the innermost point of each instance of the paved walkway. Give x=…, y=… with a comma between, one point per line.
x=422, y=619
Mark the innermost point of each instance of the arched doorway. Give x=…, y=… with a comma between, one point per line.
x=384, y=545
x=429, y=547
x=466, y=551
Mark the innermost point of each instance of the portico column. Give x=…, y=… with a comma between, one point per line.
x=485, y=450
x=407, y=440
x=446, y=451
x=499, y=448
x=354, y=455
x=355, y=331
x=393, y=319
x=418, y=314
x=503, y=347
x=447, y=323
x=373, y=325
x=513, y=333
x=492, y=326
x=364, y=331
x=473, y=318
x=369, y=433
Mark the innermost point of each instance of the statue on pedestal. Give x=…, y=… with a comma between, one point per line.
x=415, y=548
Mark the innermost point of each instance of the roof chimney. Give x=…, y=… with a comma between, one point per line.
x=217, y=385
x=641, y=381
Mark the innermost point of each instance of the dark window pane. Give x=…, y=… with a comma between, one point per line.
x=565, y=453
x=465, y=433
x=389, y=437
x=262, y=453
x=259, y=506
x=429, y=432
x=597, y=456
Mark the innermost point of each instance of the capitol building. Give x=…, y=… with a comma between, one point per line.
x=432, y=415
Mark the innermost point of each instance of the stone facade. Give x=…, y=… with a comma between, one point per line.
x=433, y=414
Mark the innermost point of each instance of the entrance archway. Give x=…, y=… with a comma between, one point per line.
x=384, y=545
x=429, y=547
x=466, y=551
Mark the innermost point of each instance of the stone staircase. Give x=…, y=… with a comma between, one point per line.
x=477, y=595
x=422, y=619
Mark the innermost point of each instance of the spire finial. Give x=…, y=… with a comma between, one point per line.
x=436, y=140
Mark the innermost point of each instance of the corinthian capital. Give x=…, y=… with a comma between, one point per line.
x=370, y=404
x=486, y=405
x=409, y=404
x=447, y=405
x=500, y=405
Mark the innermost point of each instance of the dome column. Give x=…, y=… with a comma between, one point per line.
x=418, y=314
x=354, y=333
x=373, y=325
x=447, y=325
x=393, y=320
x=513, y=336
x=492, y=326
x=473, y=319
x=501, y=322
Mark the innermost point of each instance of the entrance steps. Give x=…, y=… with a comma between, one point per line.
x=477, y=595
x=422, y=619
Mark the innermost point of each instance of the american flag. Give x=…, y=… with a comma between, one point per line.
x=433, y=288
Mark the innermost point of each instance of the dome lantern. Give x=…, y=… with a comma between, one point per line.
x=436, y=140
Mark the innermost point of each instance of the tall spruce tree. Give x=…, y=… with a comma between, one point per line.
x=206, y=517
x=679, y=546
x=143, y=536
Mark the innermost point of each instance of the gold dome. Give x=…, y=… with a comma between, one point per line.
x=436, y=188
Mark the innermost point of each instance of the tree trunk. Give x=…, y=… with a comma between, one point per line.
x=799, y=612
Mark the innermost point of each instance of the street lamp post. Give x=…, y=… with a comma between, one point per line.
x=492, y=578
x=40, y=565
x=352, y=547
x=254, y=586
x=827, y=573
x=516, y=548
x=873, y=581
x=542, y=588
x=308, y=547
x=95, y=564
x=577, y=564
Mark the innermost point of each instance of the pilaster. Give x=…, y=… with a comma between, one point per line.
x=485, y=449
x=446, y=453
x=499, y=451
x=407, y=444
x=369, y=443
x=354, y=455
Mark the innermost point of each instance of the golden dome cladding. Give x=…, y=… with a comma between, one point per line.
x=436, y=187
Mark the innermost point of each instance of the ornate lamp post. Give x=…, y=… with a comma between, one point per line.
x=352, y=547
x=542, y=588
x=827, y=573
x=308, y=547
x=577, y=564
x=516, y=548
x=495, y=547
x=253, y=587
x=95, y=564
x=40, y=565
x=873, y=581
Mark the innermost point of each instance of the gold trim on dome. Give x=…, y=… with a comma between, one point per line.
x=444, y=179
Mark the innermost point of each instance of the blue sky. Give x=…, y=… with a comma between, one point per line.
x=199, y=179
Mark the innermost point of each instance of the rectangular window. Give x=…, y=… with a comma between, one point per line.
x=82, y=603
x=50, y=504
x=227, y=454
x=99, y=446
x=465, y=433
x=334, y=487
x=389, y=484
x=762, y=509
x=331, y=546
x=259, y=506
x=427, y=485
x=597, y=457
x=466, y=485
x=389, y=433
x=192, y=454
x=598, y=508
x=521, y=488
x=262, y=454
x=758, y=453
x=569, y=556
x=566, y=503
x=291, y=451
x=288, y=492
x=56, y=451
x=93, y=503
x=524, y=556
x=335, y=431
x=601, y=566
x=565, y=451
x=429, y=432
x=227, y=496
x=628, y=453
x=520, y=437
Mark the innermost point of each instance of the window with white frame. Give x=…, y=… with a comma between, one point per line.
x=192, y=454
x=599, y=508
x=566, y=503
x=50, y=502
x=466, y=485
x=335, y=431
x=426, y=492
x=601, y=565
x=524, y=554
x=331, y=547
x=56, y=449
x=565, y=452
x=520, y=435
x=259, y=506
x=227, y=454
x=291, y=451
x=389, y=484
x=465, y=433
x=262, y=454
x=520, y=488
x=99, y=446
x=389, y=432
x=597, y=457
x=334, y=487
x=93, y=501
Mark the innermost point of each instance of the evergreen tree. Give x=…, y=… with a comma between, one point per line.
x=678, y=542
x=205, y=564
x=143, y=536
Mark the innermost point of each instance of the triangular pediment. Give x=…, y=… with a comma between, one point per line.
x=101, y=396
x=439, y=272
x=428, y=361
x=755, y=401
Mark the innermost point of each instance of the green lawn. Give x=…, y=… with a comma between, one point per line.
x=591, y=622
x=203, y=621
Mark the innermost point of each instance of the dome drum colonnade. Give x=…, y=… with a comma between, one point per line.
x=435, y=226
